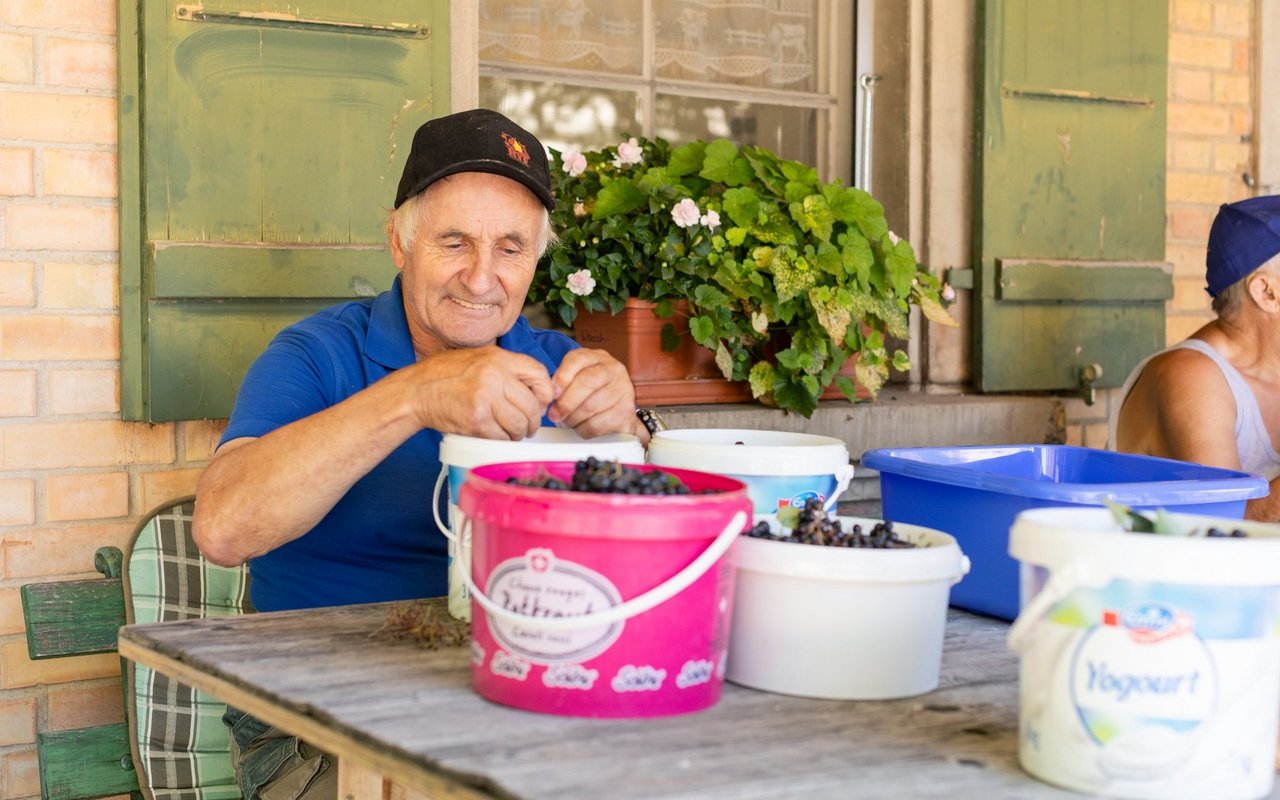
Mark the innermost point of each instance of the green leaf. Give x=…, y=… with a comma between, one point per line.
x=742, y=205
x=794, y=397
x=618, y=197
x=722, y=163
x=686, y=159
x=709, y=296
x=724, y=360
x=900, y=265
x=833, y=315
x=901, y=362
x=702, y=329
x=935, y=312
x=847, y=387
x=670, y=339
x=761, y=378
x=813, y=216
x=664, y=309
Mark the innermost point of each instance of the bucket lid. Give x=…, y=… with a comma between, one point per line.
x=548, y=444
x=940, y=561
x=1056, y=536
x=736, y=451
x=1068, y=474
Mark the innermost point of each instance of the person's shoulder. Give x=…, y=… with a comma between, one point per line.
x=523, y=335
x=1180, y=365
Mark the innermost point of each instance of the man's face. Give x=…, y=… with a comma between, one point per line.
x=468, y=269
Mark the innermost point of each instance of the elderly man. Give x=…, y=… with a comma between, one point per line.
x=1215, y=398
x=322, y=481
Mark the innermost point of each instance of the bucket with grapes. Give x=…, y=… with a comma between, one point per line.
x=600, y=589
x=841, y=607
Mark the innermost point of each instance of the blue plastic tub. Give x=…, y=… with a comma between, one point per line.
x=974, y=493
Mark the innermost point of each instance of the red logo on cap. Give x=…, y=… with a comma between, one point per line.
x=516, y=150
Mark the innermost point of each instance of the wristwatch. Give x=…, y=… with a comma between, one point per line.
x=652, y=422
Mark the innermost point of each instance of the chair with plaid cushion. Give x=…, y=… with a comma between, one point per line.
x=179, y=743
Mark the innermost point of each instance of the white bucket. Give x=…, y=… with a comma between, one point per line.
x=840, y=622
x=779, y=468
x=458, y=454
x=1150, y=663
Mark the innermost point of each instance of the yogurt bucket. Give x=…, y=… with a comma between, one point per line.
x=458, y=454
x=779, y=468
x=600, y=605
x=1150, y=662
x=843, y=623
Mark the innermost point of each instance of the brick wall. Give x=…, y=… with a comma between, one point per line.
x=73, y=476
x=1211, y=52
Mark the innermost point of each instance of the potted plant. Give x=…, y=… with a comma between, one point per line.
x=786, y=277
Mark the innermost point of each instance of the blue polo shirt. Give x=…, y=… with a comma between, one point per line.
x=380, y=542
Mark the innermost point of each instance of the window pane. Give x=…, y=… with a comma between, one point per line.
x=599, y=36
x=759, y=43
x=787, y=130
x=563, y=115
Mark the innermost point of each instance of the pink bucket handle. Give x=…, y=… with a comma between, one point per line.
x=435, y=506
x=636, y=605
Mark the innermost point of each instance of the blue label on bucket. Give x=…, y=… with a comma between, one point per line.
x=769, y=493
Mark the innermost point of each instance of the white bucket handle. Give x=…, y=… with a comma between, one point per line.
x=636, y=605
x=1062, y=581
x=435, y=505
x=843, y=476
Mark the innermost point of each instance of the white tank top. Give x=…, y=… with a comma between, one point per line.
x=1257, y=455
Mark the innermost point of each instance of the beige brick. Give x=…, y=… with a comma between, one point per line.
x=11, y=621
x=41, y=338
x=21, y=770
x=17, y=283
x=1198, y=119
x=87, y=286
x=1095, y=435
x=1189, y=294
x=16, y=670
x=1181, y=187
x=1241, y=57
x=1200, y=51
x=85, y=706
x=1232, y=20
x=1192, y=15
x=1232, y=158
x=84, y=391
x=17, y=721
x=200, y=438
x=38, y=226
x=1232, y=89
x=1187, y=259
x=84, y=65
x=80, y=173
x=1190, y=223
x=98, y=495
x=1191, y=85
x=160, y=487
x=1075, y=435
x=17, y=393
x=17, y=58
x=17, y=173
x=86, y=443
x=17, y=501
x=1190, y=154
x=33, y=553
x=58, y=118
x=60, y=15
x=1179, y=326
x=1241, y=122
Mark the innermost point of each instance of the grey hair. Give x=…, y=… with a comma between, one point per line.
x=1229, y=301
x=403, y=222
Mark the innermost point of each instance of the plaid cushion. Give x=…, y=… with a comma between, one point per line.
x=181, y=743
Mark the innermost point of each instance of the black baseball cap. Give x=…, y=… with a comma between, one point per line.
x=479, y=140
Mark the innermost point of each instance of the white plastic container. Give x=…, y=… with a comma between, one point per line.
x=1150, y=663
x=843, y=623
x=459, y=454
x=779, y=468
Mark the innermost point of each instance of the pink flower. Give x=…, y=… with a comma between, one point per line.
x=629, y=152
x=948, y=293
x=711, y=220
x=686, y=213
x=579, y=210
x=581, y=283
x=575, y=163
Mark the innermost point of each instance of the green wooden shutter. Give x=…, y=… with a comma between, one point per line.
x=1069, y=229
x=261, y=144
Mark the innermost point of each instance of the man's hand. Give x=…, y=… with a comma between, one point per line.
x=483, y=391
x=594, y=396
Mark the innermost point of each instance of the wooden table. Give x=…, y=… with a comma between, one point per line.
x=397, y=711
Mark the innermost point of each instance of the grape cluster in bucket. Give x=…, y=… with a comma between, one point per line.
x=608, y=477
x=811, y=525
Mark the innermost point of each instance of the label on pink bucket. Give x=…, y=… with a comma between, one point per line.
x=538, y=584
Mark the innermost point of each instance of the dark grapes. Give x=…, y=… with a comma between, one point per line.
x=813, y=526
x=608, y=477
x=1217, y=533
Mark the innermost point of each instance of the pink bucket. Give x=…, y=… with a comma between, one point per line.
x=600, y=605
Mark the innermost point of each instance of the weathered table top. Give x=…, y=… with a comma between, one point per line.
x=410, y=712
